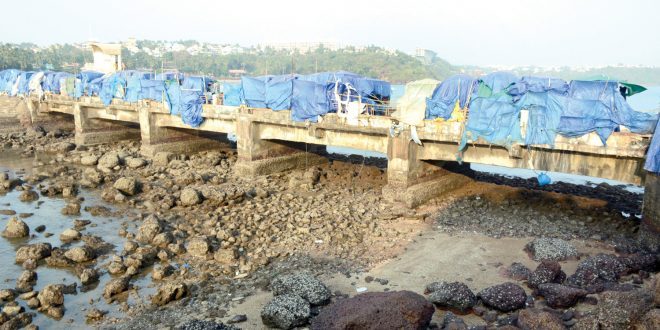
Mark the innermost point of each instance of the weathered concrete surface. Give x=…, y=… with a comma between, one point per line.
x=418, y=194
x=157, y=138
x=649, y=232
x=272, y=165
x=90, y=129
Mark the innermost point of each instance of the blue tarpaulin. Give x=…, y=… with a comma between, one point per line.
x=494, y=119
x=444, y=97
x=653, y=155
x=23, y=82
x=231, y=94
x=83, y=81
x=192, y=98
x=538, y=85
x=309, y=100
x=498, y=82
x=8, y=79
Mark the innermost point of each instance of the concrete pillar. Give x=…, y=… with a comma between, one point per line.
x=257, y=156
x=411, y=180
x=90, y=131
x=649, y=232
x=157, y=138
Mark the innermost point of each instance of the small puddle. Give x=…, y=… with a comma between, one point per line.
x=46, y=211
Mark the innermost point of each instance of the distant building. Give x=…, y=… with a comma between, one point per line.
x=303, y=47
x=107, y=58
x=237, y=72
x=425, y=55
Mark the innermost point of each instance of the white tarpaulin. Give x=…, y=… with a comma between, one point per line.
x=411, y=107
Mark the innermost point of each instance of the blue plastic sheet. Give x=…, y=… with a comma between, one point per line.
x=309, y=101
x=23, y=82
x=192, y=98
x=231, y=94
x=494, y=119
x=537, y=85
x=8, y=79
x=653, y=154
x=444, y=97
x=498, y=82
x=83, y=80
x=254, y=92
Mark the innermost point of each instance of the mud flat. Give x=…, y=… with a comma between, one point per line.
x=181, y=241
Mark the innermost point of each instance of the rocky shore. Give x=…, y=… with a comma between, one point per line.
x=209, y=241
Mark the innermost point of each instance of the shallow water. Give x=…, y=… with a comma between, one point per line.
x=46, y=211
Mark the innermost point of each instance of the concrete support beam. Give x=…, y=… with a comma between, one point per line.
x=649, y=232
x=258, y=156
x=157, y=138
x=411, y=180
x=90, y=131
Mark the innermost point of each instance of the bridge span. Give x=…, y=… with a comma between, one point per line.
x=268, y=141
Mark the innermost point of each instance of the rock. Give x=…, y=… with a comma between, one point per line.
x=88, y=276
x=56, y=312
x=237, y=319
x=453, y=322
x=12, y=309
x=150, y=227
x=108, y=161
x=546, y=272
x=302, y=284
x=51, y=295
x=504, y=297
x=16, y=228
x=623, y=309
x=517, y=271
x=559, y=295
x=80, y=253
x=116, y=286
x=33, y=303
x=205, y=325
x=160, y=273
x=536, y=319
x=26, y=280
x=190, y=196
x=135, y=162
x=285, y=312
x=92, y=177
x=72, y=208
x=36, y=251
x=550, y=249
x=7, y=294
x=651, y=320
x=127, y=186
x=594, y=273
x=225, y=256
x=89, y=160
x=169, y=292
x=394, y=310
x=455, y=295
x=162, y=158
x=95, y=314
x=641, y=261
x=17, y=322
x=163, y=239
x=198, y=246
x=28, y=196
x=70, y=235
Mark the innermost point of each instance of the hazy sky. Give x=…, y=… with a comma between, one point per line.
x=480, y=32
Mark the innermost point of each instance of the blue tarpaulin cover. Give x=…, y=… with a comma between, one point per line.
x=309, y=100
x=231, y=94
x=8, y=79
x=444, y=97
x=653, y=155
x=23, y=82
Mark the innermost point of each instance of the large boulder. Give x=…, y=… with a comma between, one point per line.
x=546, y=272
x=135, y=162
x=51, y=295
x=92, y=177
x=504, y=297
x=108, y=161
x=559, y=295
x=28, y=196
x=150, y=227
x=454, y=295
x=536, y=319
x=302, y=284
x=80, y=254
x=169, y=292
x=198, y=246
x=89, y=160
x=623, y=309
x=36, y=251
x=285, y=312
x=595, y=273
x=190, y=196
x=127, y=186
x=162, y=158
x=116, y=286
x=550, y=249
x=16, y=228
x=377, y=310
